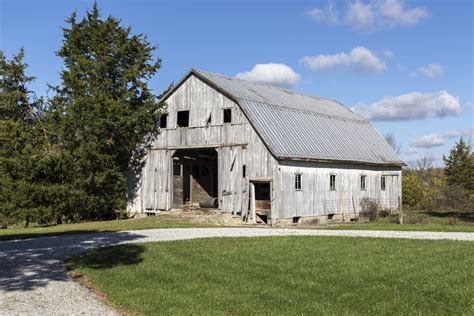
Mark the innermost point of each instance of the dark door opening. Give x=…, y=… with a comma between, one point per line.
x=197, y=183
x=262, y=200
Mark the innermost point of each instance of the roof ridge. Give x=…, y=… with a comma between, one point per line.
x=288, y=91
x=362, y=120
x=266, y=85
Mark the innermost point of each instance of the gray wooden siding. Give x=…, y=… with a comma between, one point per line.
x=316, y=198
x=237, y=144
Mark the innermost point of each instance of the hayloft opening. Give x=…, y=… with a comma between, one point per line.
x=195, y=178
x=163, y=120
x=183, y=119
x=227, y=115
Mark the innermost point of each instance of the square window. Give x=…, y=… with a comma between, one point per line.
x=297, y=181
x=183, y=119
x=163, y=120
x=382, y=183
x=332, y=182
x=227, y=115
x=362, y=182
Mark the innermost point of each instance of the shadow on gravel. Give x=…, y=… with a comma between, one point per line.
x=29, y=264
x=34, y=234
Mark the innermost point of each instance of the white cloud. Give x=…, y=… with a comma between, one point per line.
x=360, y=16
x=411, y=106
x=364, y=16
x=439, y=139
x=394, y=13
x=274, y=74
x=327, y=15
x=431, y=71
x=359, y=59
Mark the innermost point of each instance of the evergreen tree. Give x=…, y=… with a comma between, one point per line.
x=21, y=136
x=103, y=109
x=459, y=166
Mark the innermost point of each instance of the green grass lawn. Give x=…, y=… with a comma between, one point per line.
x=285, y=275
x=416, y=221
x=161, y=221
x=433, y=227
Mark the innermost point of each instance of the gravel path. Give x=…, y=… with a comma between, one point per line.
x=33, y=279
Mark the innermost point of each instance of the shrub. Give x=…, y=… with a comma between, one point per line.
x=369, y=209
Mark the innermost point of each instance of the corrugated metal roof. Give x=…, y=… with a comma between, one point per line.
x=299, y=126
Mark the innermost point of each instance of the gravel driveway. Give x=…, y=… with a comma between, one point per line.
x=33, y=279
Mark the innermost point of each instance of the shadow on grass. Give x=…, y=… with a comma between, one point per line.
x=108, y=257
x=463, y=216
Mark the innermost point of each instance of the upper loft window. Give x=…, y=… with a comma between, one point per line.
x=362, y=182
x=383, y=183
x=332, y=182
x=163, y=120
x=227, y=115
x=183, y=119
x=298, y=181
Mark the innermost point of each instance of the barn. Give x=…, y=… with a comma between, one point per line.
x=258, y=151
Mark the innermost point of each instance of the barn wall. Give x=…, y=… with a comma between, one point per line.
x=315, y=197
x=237, y=144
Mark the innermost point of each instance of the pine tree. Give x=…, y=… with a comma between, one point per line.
x=21, y=136
x=459, y=166
x=103, y=109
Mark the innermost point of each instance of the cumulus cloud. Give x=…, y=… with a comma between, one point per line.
x=411, y=106
x=439, y=139
x=366, y=16
x=394, y=13
x=325, y=15
x=359, y=59
x=274, y=74
x=360, y=16
x=431, y=71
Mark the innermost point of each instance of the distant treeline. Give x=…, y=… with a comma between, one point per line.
x=427, y=188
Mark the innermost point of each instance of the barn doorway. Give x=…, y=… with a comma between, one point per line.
x=195, y=177
x=260, y=200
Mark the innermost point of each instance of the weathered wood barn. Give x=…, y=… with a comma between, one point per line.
x=260, y=148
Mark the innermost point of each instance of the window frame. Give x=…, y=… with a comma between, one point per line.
x=227, y=116
x=363, y=182
x=298, y=181
x=383, y=183
x=332, y=184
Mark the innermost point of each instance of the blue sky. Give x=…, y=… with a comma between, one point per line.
x=406, y=65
